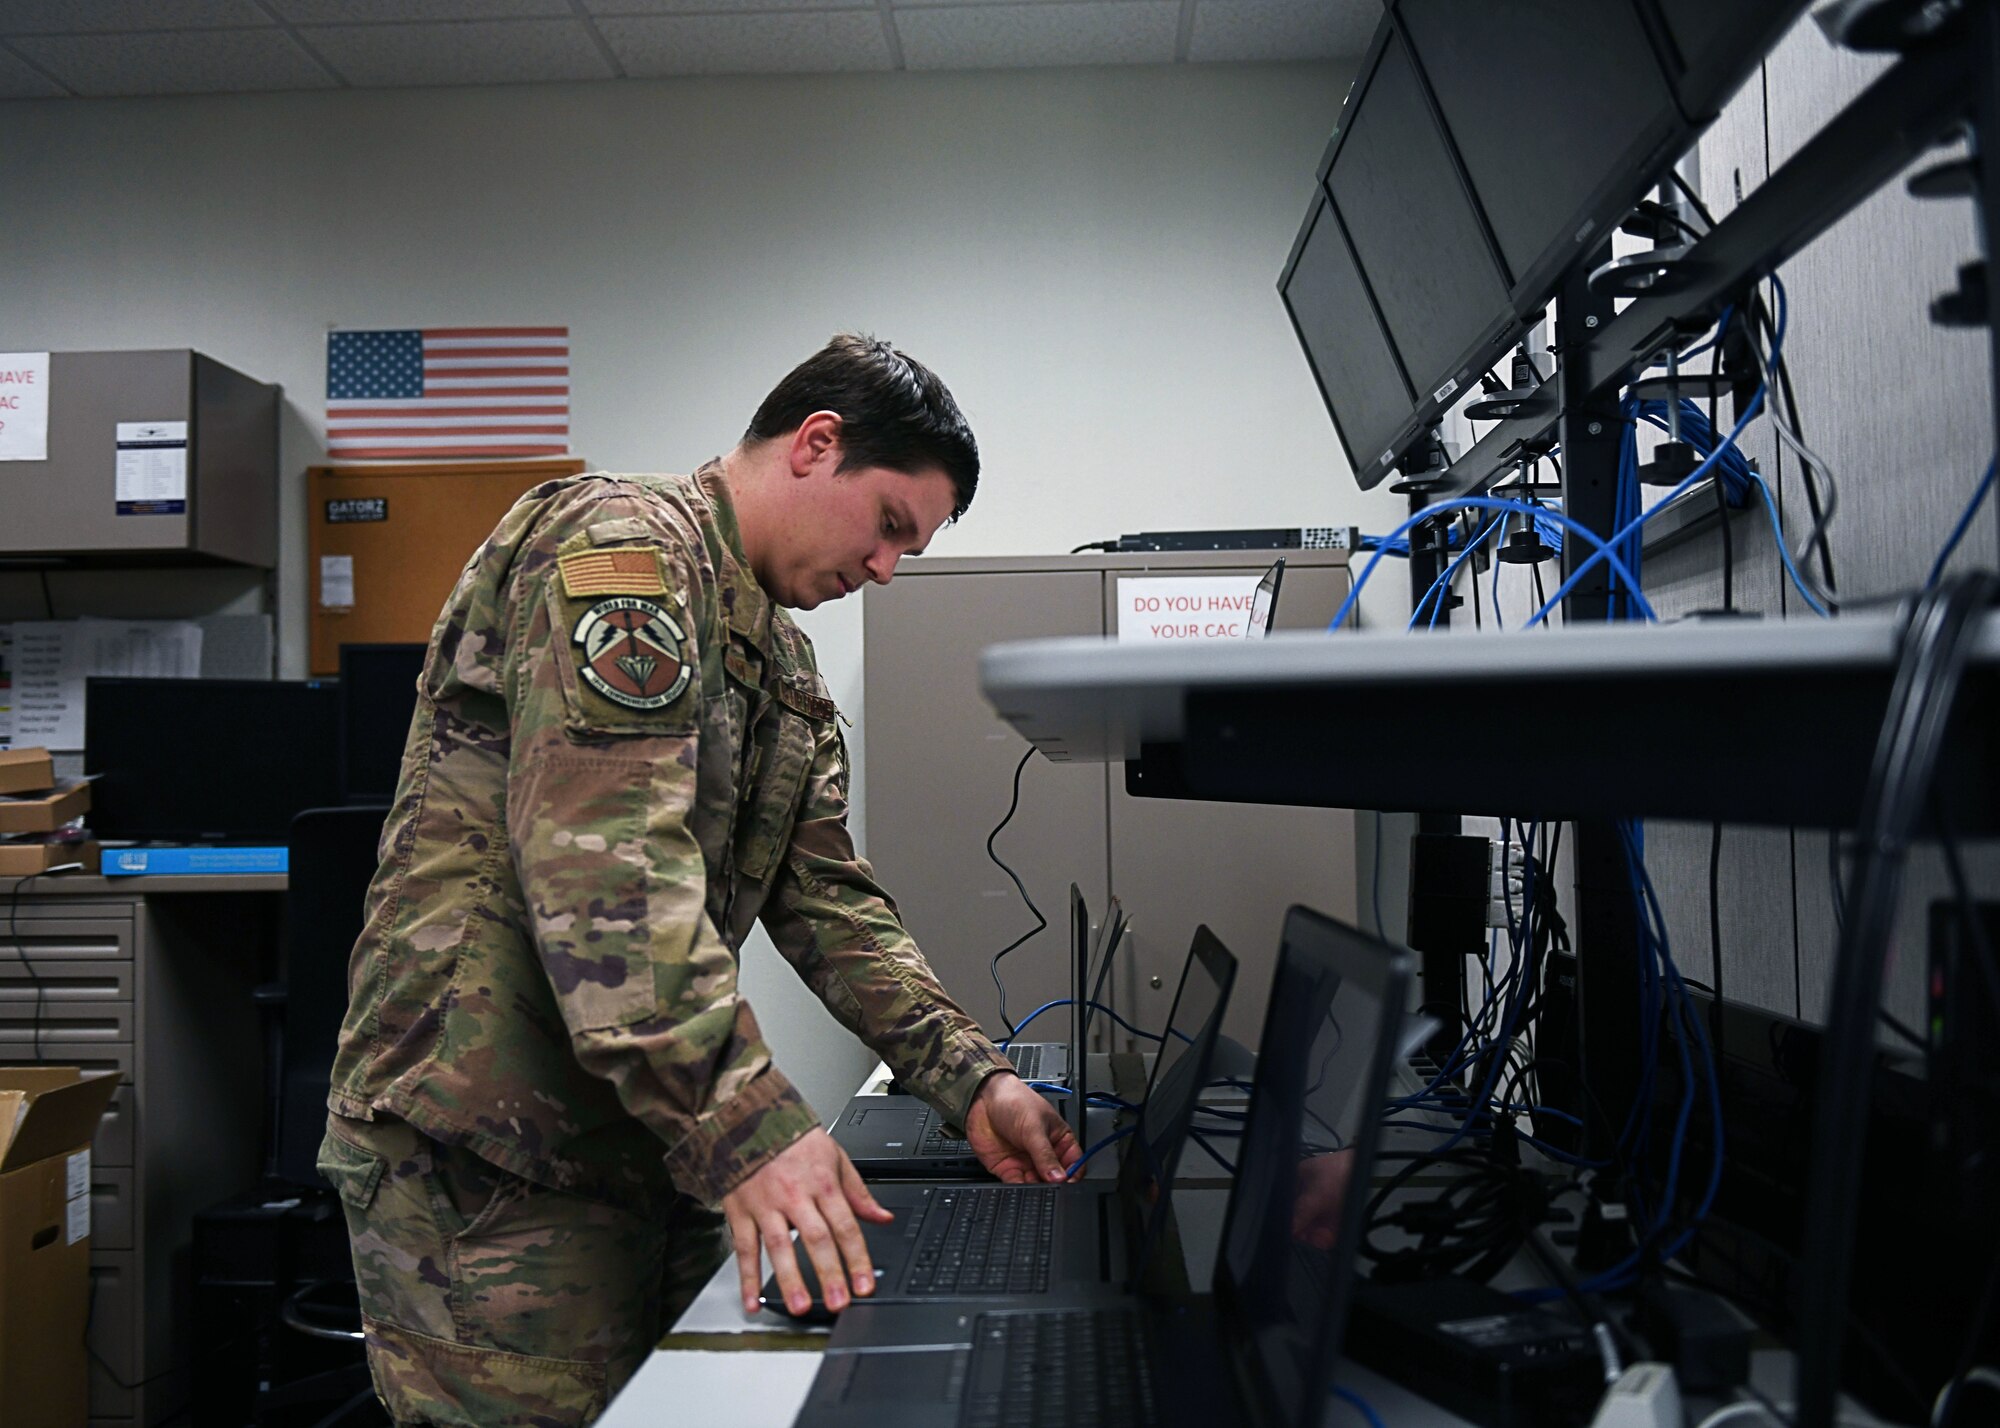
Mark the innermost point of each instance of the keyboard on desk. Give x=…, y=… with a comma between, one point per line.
x=1054, y=1368
x=984, y=1240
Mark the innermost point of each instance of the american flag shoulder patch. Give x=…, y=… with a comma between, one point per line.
x=628, y=570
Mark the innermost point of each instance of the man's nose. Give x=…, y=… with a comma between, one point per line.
x=882, y=564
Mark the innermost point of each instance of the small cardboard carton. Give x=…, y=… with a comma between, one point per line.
x=44, y=812
x=47, y=1117
x=26, y=770
x=27, y=857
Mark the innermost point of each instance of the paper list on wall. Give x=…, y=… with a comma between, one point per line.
x=53, y=658
x=336, y=582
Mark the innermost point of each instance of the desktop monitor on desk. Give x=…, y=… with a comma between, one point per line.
x=378, y=698
x=209, y=760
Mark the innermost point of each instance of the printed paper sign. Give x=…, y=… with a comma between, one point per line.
x=77, y=1175
x=152, y=468
x=336, y=582
x=79, y=1220
x=1159, y=609
x=24, y=406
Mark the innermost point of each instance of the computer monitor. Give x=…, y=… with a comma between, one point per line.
x=1420, y=243
x=1557, y=160
x=1359, y=379
x=1712, y=46
x=209, y=760
x=378, y=697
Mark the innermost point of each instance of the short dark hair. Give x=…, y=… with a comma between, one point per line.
x=894, y=412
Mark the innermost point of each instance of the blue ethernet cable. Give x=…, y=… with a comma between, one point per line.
x=1116, y=1135
x=1441, y=587
x=1489, y=503
x=1360, y=1405
x=1065, y=1001
x=1958, y=531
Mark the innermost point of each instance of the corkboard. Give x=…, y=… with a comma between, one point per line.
x=408, y=529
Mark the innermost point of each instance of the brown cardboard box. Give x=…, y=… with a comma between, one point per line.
x=45, y=813
x=26, y=858
x=47, y=1117
x=26, y=770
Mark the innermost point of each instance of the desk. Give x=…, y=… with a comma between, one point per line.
x=150, y=978
x=717, y=1365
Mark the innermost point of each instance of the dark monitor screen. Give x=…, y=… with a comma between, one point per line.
x=209, y=760
x=1556, y=161
x=1350, y=356
x=1296, y=1210
x=1714, y=45
x=378, y=697
x=1415, y=232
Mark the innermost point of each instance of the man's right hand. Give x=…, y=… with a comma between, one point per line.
x=812, y=1187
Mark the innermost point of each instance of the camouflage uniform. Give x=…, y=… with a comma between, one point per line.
x=622, y=756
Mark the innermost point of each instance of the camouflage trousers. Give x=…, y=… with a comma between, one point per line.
x=492, y=1302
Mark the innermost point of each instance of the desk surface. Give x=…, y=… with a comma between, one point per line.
x=90, y=885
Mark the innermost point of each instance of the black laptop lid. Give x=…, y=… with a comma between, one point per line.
x=1079, y=985
x=1296, y=1209
x=1187, y=1047
x=1102, y=951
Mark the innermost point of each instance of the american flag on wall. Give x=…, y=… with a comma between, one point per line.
x=447, y=392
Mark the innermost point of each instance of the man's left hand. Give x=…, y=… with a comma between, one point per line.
x=1016, y=1134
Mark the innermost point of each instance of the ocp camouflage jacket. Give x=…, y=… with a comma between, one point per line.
x=623, y=755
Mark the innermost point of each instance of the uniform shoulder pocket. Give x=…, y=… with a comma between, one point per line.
x=627, y=664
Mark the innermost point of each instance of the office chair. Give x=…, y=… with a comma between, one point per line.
x=276, y=1258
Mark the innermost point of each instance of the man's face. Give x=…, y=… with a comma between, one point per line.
x=841, y=531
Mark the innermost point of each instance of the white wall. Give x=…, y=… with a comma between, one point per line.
x=1088, y=257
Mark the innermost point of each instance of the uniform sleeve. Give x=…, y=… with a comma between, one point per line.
x=834, y=923
x=599, y=795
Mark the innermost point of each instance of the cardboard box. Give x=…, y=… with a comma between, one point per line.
x=47, y=1117
x=46, y=812
x=25, y=859
x=26, y=770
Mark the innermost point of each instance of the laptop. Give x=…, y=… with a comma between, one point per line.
x=1056, y=1241
x=1264, y=603
x=899, y=1137
x=1259, y=1350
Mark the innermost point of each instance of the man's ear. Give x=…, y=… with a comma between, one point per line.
x=815, y=446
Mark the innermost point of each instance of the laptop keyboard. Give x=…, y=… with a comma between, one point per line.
x=1054, y=1368
x=933, y=1140
x=994, y=1240
x=1040, y=1061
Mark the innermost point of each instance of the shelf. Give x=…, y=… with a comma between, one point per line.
x=1747, y=721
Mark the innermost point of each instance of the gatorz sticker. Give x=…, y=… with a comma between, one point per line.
x=632, y=653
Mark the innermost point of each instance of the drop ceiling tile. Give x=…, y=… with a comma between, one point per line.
x=176, y=62
x=1017, y=36
x=826, y=43
x=1282, y=29
x=43, y=17
x=627, y=8
x=475, y=52
x=365, y=12
x=19, y=81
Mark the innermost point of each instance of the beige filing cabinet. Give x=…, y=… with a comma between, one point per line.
x=150, y=978
x=939, y=769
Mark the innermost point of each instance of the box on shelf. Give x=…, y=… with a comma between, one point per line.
x=25, y=857
x=47, y=1116
x=26, y=770
x=46, y=812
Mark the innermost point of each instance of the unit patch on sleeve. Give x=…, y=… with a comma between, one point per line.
x=632, y=652
x=628, y=570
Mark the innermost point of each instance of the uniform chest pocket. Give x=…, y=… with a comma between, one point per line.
x=780, y=757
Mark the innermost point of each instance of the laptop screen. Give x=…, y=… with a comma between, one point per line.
x=1264, y=603
x=1296, y=1210
x=1179, y=1072
x=1079, y=982
x=1109, y=932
